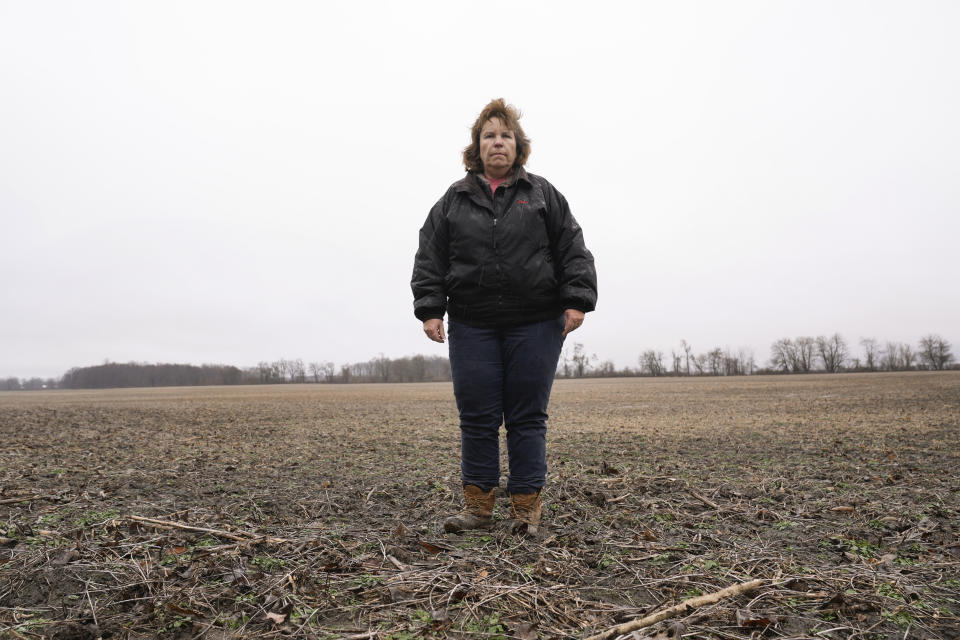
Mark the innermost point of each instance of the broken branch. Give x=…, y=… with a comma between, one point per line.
x=23, y=499
x=704, y=499
x=683, y=607
x=246, y=537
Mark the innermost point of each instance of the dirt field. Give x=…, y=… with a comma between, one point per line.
x=314, y=511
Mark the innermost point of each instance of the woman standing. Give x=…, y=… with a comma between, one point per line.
x=502, y=255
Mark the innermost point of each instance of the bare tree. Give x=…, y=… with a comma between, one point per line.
x=732, y=363
x=750, y=363
x=279, y=370
x=382, y=367
x=329, y=370
x=832, y=351
x=652, y=362
x=687, y=349
x=783, y=355
x=740, y=363
x=907, y=356
x=606, y=369
x=676, y=358
x=890, y=357
x=563, y=367
x=699, y=363
x=806, y=350
x=871, y=351
x=298, y=372
x=715, y=361
x=581, y=361
x=935, y=352
x=33, y=384
x=419, y=368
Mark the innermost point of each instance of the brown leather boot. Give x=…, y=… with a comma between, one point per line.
x=525, y=509
x=477, y=510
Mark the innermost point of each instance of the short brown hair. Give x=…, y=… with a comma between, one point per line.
x=509, y=115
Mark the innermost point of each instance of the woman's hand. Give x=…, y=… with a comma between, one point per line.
x=434, y=329
x=573, y=320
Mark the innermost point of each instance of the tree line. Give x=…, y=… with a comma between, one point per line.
x=417, y=368
x=28, y=384
x=576, y=363
x=141, y=374
x=803, y=354
x=832, y=354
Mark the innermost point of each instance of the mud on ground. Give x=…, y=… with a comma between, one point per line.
x=315, y=510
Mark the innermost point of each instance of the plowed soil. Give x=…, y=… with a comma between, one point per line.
x=314, y=511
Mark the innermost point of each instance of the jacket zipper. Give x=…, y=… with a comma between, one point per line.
x=496, y=256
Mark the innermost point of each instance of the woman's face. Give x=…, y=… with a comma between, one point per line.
x=498, y=148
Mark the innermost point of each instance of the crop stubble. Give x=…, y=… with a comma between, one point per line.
x=314, y=510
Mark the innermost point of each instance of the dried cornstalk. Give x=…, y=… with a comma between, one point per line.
x=246, y=537
x=24, y=499
x=683, y=607
x=704, y=499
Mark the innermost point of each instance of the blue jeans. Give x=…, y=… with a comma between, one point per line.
x=504, y=376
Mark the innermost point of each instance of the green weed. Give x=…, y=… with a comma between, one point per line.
x=95, y=517
x=489, y=625
x=368, y=580
x=606, y=560
x=421, y=616
x=35, y=622
x=899, y=618
x=887, y=590
x=711, y=565
x=862, y=548
x=268, y=564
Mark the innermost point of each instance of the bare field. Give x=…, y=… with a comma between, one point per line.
x=314, y=511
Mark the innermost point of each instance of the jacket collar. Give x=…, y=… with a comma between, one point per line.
x=472, y=182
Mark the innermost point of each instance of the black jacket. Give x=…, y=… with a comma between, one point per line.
x=508, y=259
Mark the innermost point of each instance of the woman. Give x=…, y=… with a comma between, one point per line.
x=502, y=255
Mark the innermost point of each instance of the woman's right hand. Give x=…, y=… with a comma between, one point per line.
x=434, y=329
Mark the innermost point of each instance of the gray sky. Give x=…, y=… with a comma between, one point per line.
x=234, y=182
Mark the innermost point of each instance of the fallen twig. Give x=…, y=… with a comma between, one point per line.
x=704, y=499
x=686, y=605
x=246, y=537
x=24, y=499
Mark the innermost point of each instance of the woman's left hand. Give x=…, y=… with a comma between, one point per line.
x=573, y=319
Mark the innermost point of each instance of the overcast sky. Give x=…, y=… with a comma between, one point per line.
x=232, y=182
